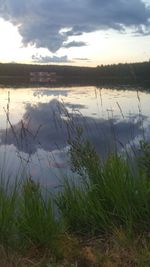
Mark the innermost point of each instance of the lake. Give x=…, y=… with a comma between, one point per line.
x=36, y=123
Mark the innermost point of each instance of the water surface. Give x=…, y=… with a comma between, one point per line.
x=35, y=123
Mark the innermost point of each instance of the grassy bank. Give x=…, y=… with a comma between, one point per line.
x=100, y=219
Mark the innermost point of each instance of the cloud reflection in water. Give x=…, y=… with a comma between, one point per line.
x=46, y=125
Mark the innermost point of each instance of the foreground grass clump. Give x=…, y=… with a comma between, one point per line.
x=111, y=194
x=8, y=208
x=36, y=221
x=27, y=220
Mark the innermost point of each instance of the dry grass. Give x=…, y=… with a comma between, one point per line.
x=119, y=250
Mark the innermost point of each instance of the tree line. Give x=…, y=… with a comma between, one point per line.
x=129, y=73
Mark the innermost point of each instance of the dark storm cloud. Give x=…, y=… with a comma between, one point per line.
x=48, y=125
x=49, y=59
x=41, y=22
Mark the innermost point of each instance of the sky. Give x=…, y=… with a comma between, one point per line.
x=80, y=32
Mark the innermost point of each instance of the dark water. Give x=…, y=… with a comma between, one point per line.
x=35, y=124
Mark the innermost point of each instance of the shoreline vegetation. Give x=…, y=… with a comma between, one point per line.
x=101, y=219
x=138, y=74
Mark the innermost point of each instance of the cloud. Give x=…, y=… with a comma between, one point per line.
x=82, y=58
x=142, y=31
x=41, y=22
x=74, y=44
x=49, y=59
x=54, y=93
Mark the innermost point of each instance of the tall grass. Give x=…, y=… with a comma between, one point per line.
x=110, y=195
x=8, y=209
x=36, y=221
x=27, y=218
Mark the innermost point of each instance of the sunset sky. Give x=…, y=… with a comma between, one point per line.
x=80, y=32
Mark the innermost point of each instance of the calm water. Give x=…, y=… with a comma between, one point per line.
x=34, y=139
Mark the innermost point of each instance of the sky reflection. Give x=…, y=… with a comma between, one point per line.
x=37, y=135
